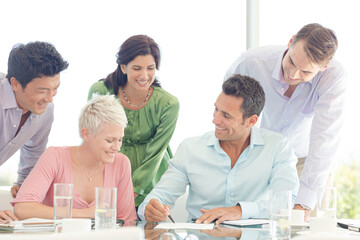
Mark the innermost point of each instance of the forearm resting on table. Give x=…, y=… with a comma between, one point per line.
x=25, y=210
x=38, y=210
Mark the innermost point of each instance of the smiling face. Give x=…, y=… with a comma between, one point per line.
x=106, y=143
x=228, y=119
x=140, y=72
x=37, y=94
x=296, y=65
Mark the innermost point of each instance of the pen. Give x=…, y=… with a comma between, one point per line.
x=171, y=218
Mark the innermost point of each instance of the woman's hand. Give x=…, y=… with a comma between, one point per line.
x=8, y=215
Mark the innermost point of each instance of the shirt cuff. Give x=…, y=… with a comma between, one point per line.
x=20, y=180
x=307, y=197
x=141, y=211
x=249, y=210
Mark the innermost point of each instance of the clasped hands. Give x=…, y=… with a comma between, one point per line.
x=158, y=212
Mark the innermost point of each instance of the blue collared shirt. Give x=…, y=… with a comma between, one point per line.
x=32, y=137
x=311, y=118
x=268, y=163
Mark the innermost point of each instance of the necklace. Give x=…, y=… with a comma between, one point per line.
x=83, y=170
x=127, y=100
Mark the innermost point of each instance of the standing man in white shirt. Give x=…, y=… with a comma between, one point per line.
x=304, y=88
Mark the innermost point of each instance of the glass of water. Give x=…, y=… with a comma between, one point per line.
x=327, y=203
x=105, y=208
x=280, y=206
x=63, y=200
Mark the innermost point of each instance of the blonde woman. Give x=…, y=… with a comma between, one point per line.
x=95, y=163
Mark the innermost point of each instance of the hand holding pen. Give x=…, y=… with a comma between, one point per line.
x=157, y=212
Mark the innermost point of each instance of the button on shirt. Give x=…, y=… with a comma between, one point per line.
x=31, y=139
x=200, y=163
x=311, y=118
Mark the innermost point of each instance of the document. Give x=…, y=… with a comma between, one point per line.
x=32, y=224
x=184, y=226
x=246, y=222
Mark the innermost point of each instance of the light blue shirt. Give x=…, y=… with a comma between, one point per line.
x=268, y=163
x=311, y=118
x=32, y=137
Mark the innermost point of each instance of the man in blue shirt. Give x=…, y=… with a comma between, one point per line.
x=231, y=170
x=304, y=87
x=26, y=109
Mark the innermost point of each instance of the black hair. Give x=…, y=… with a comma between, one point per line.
x=34, y=60
x=250, y=90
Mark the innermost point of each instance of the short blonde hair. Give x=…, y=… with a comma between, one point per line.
x=99, y=111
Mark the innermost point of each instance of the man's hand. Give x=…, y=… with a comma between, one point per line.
x=306, y=213
x=14, y=190
x=8, y=215
x=221, y=214
x=156, y=212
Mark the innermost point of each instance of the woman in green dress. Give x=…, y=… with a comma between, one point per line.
x=151, y=111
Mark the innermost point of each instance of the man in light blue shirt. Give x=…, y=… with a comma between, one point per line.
x=230, y=171
x=26, y=109
x=304, y=88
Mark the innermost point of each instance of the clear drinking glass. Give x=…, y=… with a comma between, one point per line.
x=105, y=208
x=63, y=200
x=327, y=203
x=280, y=214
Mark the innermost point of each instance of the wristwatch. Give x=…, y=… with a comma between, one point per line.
x=305, y=207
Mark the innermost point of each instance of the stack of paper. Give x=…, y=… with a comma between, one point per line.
x=29, y=225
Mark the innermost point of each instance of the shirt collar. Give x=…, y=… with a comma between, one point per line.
x=8, y=99
x=255, y=139
x=214, y=142
x=277, y=73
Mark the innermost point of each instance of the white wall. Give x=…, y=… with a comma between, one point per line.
x=199, y=40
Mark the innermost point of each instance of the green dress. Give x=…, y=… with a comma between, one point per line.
x=147, y=137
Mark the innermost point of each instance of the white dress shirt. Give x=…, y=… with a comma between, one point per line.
x=311, y=118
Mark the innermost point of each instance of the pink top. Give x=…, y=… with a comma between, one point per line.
x=55, y=166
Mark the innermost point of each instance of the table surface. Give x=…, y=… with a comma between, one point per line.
x=244, y=233
x=218, y=232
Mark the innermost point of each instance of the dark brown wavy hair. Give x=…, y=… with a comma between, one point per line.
x=134, y=46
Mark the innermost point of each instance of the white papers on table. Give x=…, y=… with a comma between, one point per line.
x=32, y=224
x=35, y=224
x=184, y=226
x=246, y=222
